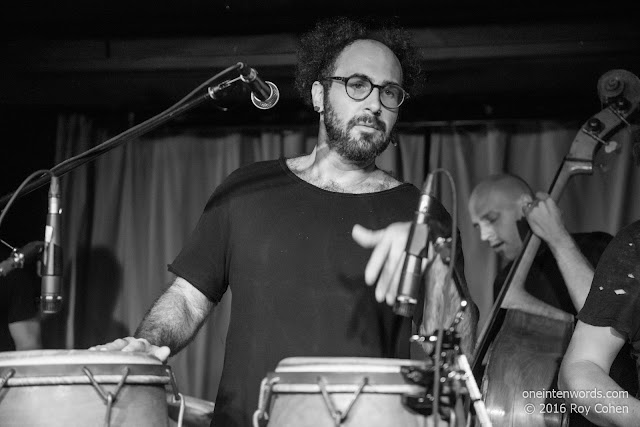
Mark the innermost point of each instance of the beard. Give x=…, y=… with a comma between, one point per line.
x=361, y=150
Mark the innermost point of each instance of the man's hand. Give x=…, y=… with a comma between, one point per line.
x=385, y=264
x=131, y=344
x=545, y=219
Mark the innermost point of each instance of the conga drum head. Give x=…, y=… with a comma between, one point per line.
x=82, y=388
x=306, y=392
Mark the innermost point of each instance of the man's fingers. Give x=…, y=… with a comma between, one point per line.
x=140, y=345
x=162, y=353
x=541, y=195
x=395, y=281
x=116, y=345
x=365, y=237
x=128, y=344
x=376, y=264
x=388, y=282
x=384, y=265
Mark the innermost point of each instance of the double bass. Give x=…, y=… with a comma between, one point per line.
x=518, y=358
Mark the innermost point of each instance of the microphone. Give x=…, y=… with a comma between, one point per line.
x=264, y=95
x=20, y=257
x=50, y=298
x=415, y=250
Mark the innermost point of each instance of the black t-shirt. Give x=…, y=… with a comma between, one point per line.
x=285, y=248
x=545, y=281
x=18, y=301
x=614, y=297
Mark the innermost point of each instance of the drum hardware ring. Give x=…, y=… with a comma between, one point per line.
x=338, y=416
x=5, y=377
x=108, y=397
x=177, y=396
x=181, y=412
x=261, y=414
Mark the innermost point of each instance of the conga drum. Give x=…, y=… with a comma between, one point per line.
x=349, y=392
x=82, y=388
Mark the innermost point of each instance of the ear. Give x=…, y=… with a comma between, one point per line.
x=317, y=96
x=522, y=201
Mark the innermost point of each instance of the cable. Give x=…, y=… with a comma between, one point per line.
x=35, y=174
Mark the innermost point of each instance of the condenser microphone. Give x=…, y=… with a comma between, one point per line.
x=264, y=95
x=52, y=264
x=415, y=251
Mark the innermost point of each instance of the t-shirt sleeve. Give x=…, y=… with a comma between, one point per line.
x=613, y=299
x=22, y=295
x=203, y=259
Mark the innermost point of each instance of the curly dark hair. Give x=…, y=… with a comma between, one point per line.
x=320, y=47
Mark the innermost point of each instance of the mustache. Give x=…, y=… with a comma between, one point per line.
x=372, y=121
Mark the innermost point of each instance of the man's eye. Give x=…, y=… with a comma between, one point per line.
x=390, y=93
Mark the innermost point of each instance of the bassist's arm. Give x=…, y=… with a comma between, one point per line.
x=545, y=220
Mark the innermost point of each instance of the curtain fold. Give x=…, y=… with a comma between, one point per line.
x=129, y=212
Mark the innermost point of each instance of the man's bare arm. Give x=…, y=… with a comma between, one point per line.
x=546, y=222
x=576, y=270
x=175, y=317
x=442, y=303
x=586, y=366
x=170, y=324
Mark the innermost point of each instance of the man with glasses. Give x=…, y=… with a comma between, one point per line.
x=292, y=237
x=359, y=87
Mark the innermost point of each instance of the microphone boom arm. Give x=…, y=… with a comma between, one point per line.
x=138, y=130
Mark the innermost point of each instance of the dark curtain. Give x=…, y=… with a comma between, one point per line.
x=130, y=211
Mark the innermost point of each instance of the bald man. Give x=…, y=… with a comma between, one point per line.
x=503, y=209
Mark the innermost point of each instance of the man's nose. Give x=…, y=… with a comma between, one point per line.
x=486, y=233
x=373, y=101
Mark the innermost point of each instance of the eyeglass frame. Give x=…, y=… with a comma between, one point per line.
x=344, y=81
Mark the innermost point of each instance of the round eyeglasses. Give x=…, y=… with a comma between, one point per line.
x=360, y=87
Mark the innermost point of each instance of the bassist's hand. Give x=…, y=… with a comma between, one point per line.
x=545, y=219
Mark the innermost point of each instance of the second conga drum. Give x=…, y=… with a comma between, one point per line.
x=82, y=388
x=329, y=392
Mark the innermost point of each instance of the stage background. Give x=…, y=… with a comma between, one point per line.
x=507, y=88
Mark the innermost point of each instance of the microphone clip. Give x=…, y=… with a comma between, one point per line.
x=19, y=257
x=442, y=247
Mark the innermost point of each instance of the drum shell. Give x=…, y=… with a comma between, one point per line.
x=51, y=388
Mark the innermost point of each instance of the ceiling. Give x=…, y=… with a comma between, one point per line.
x=483, y=59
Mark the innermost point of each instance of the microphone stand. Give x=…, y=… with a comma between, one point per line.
x=447, y=343
x=177, y=109
x=460, y=377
